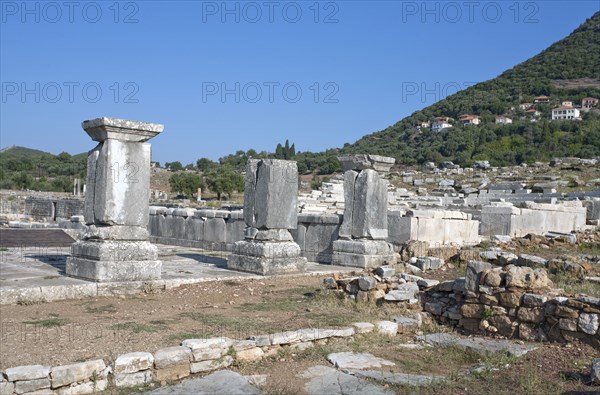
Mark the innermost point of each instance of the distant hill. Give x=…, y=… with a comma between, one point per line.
x=567, y=70
x=26, y=168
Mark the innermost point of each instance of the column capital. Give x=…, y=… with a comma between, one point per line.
x=101, y=129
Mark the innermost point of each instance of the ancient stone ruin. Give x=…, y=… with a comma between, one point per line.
x=270, y=201
x=116, y=246
x=364, y=230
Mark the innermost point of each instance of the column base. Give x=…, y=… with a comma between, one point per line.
x=112, y=261
x=366, y=254
x=113, y=271
x=267, y=258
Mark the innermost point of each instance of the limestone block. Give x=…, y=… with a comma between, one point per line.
x=533, y=314
x=318, y=242
x=363, y=327
x=173, y=372
x=363, y=246
x=388, y=328
x=588, y=323
x=534, y=300
x=29, y=372
x=112, y=271
x=595, y=372
x=121, y=184
x=510, y=299
x=27, y=386
x=366, y=283
x=117, y=232
x=369, y=212
x=115, y=250
x=401, y=229
x=100, y=129
x=472, y=275
x=68, y=374
x=349, y=190
x=403, y=292
x=133, y=379
x=206, y=366
x=266, y=258
x=171, y=356
x=133, y=362
x=271, y=194
x=252, y=354
x=205, y=349
x=568, y=324
x=7, y=388
x=526, y=277
x=364, y=161
x=87, y=387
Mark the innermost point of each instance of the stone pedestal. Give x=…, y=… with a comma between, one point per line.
x=363, y=253
x=270, y=210
x=363, y=232
x=116, y=247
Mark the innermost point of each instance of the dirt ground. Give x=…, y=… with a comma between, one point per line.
x=70, y=331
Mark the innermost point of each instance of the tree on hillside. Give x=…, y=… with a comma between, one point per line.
x=225, y=180
x=185, y=183
x=205, y=164
x=64, y=157
x=286, y=151
x=174, y=166
x=22, y=180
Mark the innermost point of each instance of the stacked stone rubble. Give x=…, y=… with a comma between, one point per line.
x=514, y=302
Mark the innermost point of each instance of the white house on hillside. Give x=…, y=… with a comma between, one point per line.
x=565, y=113
x=468, y=119
x=525, y=106
x=589, y=102
x=438, y=126
x=503, y=119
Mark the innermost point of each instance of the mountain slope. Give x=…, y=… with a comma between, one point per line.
x=23, y=168
x=567, y=70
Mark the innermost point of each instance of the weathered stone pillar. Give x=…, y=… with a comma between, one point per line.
x=116, y=247
x=270, y=210
x=363, y=233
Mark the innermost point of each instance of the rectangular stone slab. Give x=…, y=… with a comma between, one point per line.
x=121, y=183
x=369, y=212
x=349, y=180
x=271, y=197
x=110, y=271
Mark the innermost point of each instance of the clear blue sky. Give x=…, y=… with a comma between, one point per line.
x=360, y=72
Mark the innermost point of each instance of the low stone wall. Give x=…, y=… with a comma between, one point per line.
x=537, y=218
x=45, y=209
x=67, y=208
x=172, y=363
x=515, y=302
x=220, y=229
x=40, y=209
x=436, y=227
x=78, y=378
x=208, y=229
x=315, y=233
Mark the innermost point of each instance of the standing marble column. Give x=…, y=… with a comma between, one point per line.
x=270, y=210
x=363, y=233
x=116, y=247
